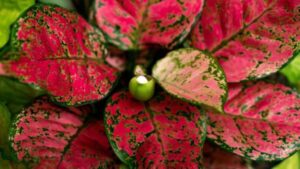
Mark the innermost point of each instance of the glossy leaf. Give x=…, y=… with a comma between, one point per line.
x=133, y=24
x=60, y=52
x=193, y=76
x=217, y=158
x=47, y=136
x=162, y=133
x=261, y=122
x=252, y=38
x=9, y=12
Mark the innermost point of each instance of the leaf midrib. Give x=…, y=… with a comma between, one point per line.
x=151, y=115
x=226, y=41
x=193, y=101
x=68, y=146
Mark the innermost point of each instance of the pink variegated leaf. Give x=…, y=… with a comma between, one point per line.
x=261, y=121
x=131, y=24
x=60, y=52
x=252, y=38
x=192, y=75
x=162, y=133
x=47, y=136
x=217, y=158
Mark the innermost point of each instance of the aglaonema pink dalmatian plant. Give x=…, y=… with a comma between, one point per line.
x=211, y=89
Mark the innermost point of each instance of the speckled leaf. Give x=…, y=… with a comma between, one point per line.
x=261, y=121
x=217, y=158
x=162, y=133
x=131, y=24
x=194, y=76
x=252, y=38
x=46, y=136
x=60, y=52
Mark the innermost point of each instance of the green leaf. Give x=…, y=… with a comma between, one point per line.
x=7, y=164
x=292, y=72
x=290, y=163
x=9, y=12
x=4, y=127
x=16, y=95
x=65, y=3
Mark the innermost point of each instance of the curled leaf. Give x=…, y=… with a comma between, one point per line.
x=162, y=133
x=194, y=76
x=60, y=52
x=47, y=136
x=251, y=39
x=133, y=24
x=261, y=122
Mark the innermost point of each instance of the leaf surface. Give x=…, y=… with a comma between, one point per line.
x=162, y=133
x=194, y=76
x=60, y=52
x=10, y=11
x=290, y=163
x=6, y=164
x=133, y=24
x=16, y=95
x=4, y=126
x=292, y=72
x=252, y=38
x=261, y=121
x=47, y=136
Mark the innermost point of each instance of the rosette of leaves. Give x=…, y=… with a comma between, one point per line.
x=205, y=91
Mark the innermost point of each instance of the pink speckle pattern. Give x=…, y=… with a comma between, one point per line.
x=252, y=38
x=131, y=24
x=43, y=130
x=162, y=133
x=60, y=52
x=90, y=149
x=261, y=122
x=194, y=76
x=50, y=137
